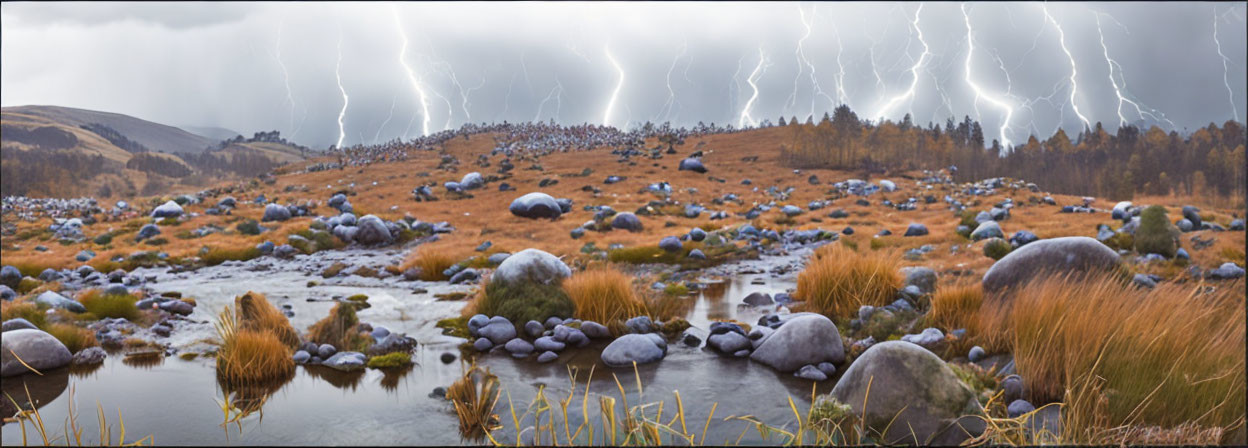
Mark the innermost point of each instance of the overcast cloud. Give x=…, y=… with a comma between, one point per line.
x=218, y=64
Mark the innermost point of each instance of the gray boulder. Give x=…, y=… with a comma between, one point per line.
x=10, y=276
x=630, y=348
x=17, y=323
x=535, y=205
x=987, y=229
x=691, y=164
x=916, y=229
x=531, y=265
x=36, y=348
x=728, y=343
x=472, y=181
x=759, y=299
x=595, y=330
x=627, y=221
x=147, y=231
x=804, y=338
x=670, y=244
x=167, y=210
x=1227, y=271
x=914, y=397
x=1053, y=255
x=346, y=361
x=499, y=330
x=53, y=300
x=372, y=230
x=922, y=277
x=274, y=212
x=89, y=356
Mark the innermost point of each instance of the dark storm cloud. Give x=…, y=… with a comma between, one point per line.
x=219, y=64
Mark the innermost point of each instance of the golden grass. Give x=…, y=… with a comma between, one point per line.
x=255, y=312
x=339, y=329
x=218, y=255
x=1124, y=357
x=72, y=435
x=603, y=295
x=109, y=305
x=837, y=281
x=474, y=396
x=956, y=306
x=249, y=356
x=12, y=309
x=74, y=337
x=431, y=263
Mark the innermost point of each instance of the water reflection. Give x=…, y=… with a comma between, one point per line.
x=144, y=360
x=390, y=378
x=41, y=389
x=336, y=378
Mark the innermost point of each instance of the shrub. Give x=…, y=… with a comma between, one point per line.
x=317, y=241
x=104, y=240
x=27, y=285
x=248, y=227
x=603, y=295
x=74, y=337
x=255, y=312
x=1155, y=235
x=1116, y=355
x=676, y=289
x=12, y=309
x=1121, y=241
x=524, y=301
x=110, y=305
x=340, y=329
x=837, y=281
x=249, y=355
x=390, y=360
x=996, y=248
x=218, y=255
x=156, y=242
x=431, y=263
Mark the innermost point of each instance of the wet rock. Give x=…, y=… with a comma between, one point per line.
x=52, y=299
x=534, y=328
x=630, y=348
x=17, y=323
x=447, y=358
x=465, y=276
x=548, y=343
x=531, y=265
x=89, y=356
x=915, y=398
x=346, y=361
x=690, y=339
x=36, y=348
x=302, y=357
x=1066, y=254
x=1018, y=408
x=812, y=373
x=535, y=205
x=325, y=351
x=728, y=343
x=552, y=322
x=499, y=330
x=1012, y=386
x=594, y=330
x=519, y=348
x=759, y=299
x=177, y=307
x=483, y=344
x=640, y=325
x=804, y=338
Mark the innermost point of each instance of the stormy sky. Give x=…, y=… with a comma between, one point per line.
x=292, y=66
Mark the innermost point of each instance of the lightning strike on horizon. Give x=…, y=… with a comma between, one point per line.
x=752, y=80
x=979, y=93
x=345, y=99
x=606, y=114
x=377, y=136
x=421, y=98
x=1118, y=91
x=507, y=97
x=804, y=62
x=1225, y=66
x=290, y=97
x=557, y=93
x=665, y=111
x=914, y=70
x=841, y=96
x=1074, y=84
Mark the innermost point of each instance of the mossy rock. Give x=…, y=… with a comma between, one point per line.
x=455, y=326
x=390, y=360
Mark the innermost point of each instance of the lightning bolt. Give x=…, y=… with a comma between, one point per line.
x=665, y=111
x=606, y=114
x=841, y=96
x=1119, y=91
x=1074, y=85
x=290, y=97
x=507, y=97
x=377, y=136
x=1225, y=66
x=557, y=93
x=343, y=113
x=803, y=62
x=979, y=93
x=914, y=70
x=753, y=82
x=421, y=99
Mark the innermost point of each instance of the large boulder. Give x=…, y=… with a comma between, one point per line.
x=274, y=212
x=372, y=230
x=168, y=210
x=53, y=300
x=36, y=348
x=10, y=276
x=804, y=338
x=1054, y=255
x=630, y=348
x=533, y=266
x=472, y=181
x=627, y=221
x=909, y=391
x=535, y=205
x=987, y=229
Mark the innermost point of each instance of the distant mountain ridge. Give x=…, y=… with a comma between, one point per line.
x=155, y=136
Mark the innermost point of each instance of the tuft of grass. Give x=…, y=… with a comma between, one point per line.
x=72, y=435
x=218, y=255
x=109, y=305
x=12, y=309
x=255, y=312
x=1232, y=254
x=1121, y=357
x=339, y=329
x=248, y=227
x=474, y=396
x=837, y=281
x=523, y=302
x=603, y=295
x=431, y=263
x=956, y=306
x=1121, y=241
x=454, y=326
x=390, y=360
x=28, y=285
x=996, y=248
x=250, y=356
x=74, y=337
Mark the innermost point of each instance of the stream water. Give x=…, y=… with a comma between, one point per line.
x=178, y=401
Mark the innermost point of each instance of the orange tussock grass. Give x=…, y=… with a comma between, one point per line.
x=339, y=329
x=250, y=355
x=114, y=306
x=956, y=306
x=603, y=295
x=74, y=337
x=431, y=262
x=12, y=309
x=1121, y=356
x=837, y=280
x=255, y=312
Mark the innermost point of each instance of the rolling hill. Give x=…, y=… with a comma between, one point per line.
x=62, y=152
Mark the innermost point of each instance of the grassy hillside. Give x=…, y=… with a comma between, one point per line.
x=155, y=136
